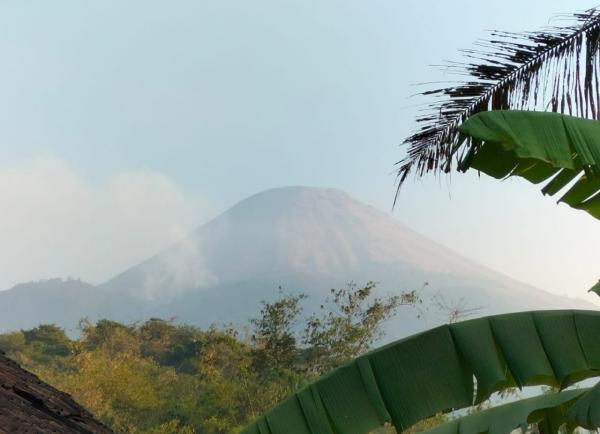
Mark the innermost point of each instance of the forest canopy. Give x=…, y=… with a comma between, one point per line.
x=161, y=377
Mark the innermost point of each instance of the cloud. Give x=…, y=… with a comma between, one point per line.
x=55, y=223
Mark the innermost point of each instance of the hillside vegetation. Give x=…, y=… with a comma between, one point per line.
x=163, y=377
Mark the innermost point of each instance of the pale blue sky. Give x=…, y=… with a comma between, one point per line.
x=228, y=98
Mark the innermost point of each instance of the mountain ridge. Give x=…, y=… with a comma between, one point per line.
x=299, y=193
x=305, y=239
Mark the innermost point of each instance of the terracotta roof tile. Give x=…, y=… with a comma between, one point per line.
x=28, y=405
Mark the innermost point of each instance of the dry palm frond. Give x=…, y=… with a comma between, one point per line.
x=556, y=68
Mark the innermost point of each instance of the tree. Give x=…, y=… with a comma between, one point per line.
x=563, y=153
x=51, y=339
x=349, y=320
x=347, y=325
x=275, y=334
x=169, y=344
x=556, y=68
x=109, y=335
x=399, y=383
x=158, y=376
x=559, y=150
x=452, y=367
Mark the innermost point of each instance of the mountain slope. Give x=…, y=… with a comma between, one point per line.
x=304, y=239
x=311, y=239
x=292, y=231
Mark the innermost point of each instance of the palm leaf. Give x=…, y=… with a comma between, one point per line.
x=549, y=411
x=443, y=369
x=560, y=150
x=556, y=68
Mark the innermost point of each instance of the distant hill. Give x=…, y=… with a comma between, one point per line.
x=304, y=239
x=47, y=301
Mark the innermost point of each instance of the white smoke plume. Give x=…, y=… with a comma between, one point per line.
x=180, y=268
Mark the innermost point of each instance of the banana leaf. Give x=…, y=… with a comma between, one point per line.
x=586, y=411
x=549, y=411
x=441, y=370
x=595, y=288
x=559, y=150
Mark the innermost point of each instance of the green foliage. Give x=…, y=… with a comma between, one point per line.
x=170, y=346
x=595, y=288
x=172, y=427
x=50, y=339
x=561, y=151
x=274, y=334
x=346, y=326
x=444, y=369
x=13, y=343
x=159, y=377
x=111, y=336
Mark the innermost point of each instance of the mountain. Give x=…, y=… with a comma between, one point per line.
x=304, y=239
x=58, y=301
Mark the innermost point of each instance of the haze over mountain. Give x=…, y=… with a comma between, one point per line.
x=304, y=239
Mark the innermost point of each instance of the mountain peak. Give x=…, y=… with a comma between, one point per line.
x=279, y=199
x=302, y=238
x=291, y=231
x=295, y=190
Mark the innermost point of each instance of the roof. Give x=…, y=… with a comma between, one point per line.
x=28, y=405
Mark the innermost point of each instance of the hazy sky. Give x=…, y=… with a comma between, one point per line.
x=124, y=124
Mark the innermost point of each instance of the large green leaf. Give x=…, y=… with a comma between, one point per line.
x=435, y=371
x=549, y=411
x=595, y=288
x=561, y=150
x=586, y=411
